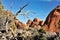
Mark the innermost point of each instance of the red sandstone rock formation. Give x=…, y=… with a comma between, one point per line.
x=52, y=20
x=29, y=22
x=20, y=25
x=41, y=23
x=35, y=22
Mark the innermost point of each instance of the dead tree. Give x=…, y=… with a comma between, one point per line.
x=21, y=9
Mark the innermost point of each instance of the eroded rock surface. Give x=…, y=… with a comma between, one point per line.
x=52, y=20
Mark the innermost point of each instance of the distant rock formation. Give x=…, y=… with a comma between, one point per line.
x=36, y=23
x=29, y=22
x=52, y=20
x=20, y=25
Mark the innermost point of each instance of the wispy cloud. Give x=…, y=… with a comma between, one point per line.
x=49, y=0
x=57, y=0
x=45, y=0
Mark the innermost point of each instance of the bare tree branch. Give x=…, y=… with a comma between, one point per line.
x=25, y=13
x=21, y=9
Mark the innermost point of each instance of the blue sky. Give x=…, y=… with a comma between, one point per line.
x=39, y=8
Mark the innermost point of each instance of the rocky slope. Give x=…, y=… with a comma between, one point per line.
x=52, y=20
